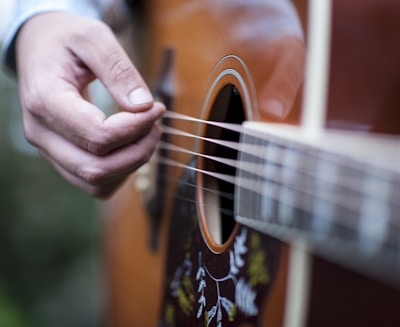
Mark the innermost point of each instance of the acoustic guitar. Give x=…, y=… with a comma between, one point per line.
x=274, y=196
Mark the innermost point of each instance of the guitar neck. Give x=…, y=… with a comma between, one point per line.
x=342, y=203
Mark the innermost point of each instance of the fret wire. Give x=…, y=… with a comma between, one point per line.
x=171, y=163
x=297, y=205
x=334, y=180
x=336, y=198
x=249, y=185
x=350, y=182
x=255, y=150
x=392, y=237
x=251, y=148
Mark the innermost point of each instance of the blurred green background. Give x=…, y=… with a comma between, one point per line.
x=50, y=266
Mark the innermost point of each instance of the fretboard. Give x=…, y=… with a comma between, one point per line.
x=336, y=192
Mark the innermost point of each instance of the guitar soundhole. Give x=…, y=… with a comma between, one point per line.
x=218, y=193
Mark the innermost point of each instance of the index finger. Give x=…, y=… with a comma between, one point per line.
x=84, y=124
x=99, y=49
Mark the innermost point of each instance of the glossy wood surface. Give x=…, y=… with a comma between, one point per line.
x=363, y=96
x=270, y=37
x=364, y=66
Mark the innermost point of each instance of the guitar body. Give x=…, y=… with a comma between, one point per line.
x=175, y=253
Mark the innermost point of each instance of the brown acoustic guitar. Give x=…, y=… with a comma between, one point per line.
x=274, y=196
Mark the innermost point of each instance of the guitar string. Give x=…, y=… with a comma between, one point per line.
x=258, y=169
x=391, y=239
x=351, y=183
x=269, y=185
x=167, y=193
x=347, y=224
x=247, y=148
x=226, y=195
x=230, y=144
x=225, y=211
x=341, y=200
x=260, y=188
x=168, y=178
x=178, y=116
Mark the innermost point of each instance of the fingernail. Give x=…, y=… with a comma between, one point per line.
x=140, y=96
x=274, y=107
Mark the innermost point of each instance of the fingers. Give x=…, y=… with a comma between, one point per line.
x=96, y=158
x=58, y=55
x=285, y=81
x=53, y=91
x=105, y=57
x=103, y=192
x=83, y=124
x=93, y=50
x=97, y=175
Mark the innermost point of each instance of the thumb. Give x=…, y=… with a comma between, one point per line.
x=105, y=57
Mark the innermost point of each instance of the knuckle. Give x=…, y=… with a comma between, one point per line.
x=148, y=150
x=30, y=132
x=94, y=174
x=94, y=27
x=120, y=68
x=145, y=157
x=83, y=37
x=34, y=104
x=99, y=144
x=116, y=63
x=104, y=191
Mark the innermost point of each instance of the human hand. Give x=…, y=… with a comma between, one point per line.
x=58, y=55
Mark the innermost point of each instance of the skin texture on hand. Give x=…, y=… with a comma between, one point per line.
x=58, y=55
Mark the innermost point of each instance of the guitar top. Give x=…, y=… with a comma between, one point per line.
x=274, y=196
